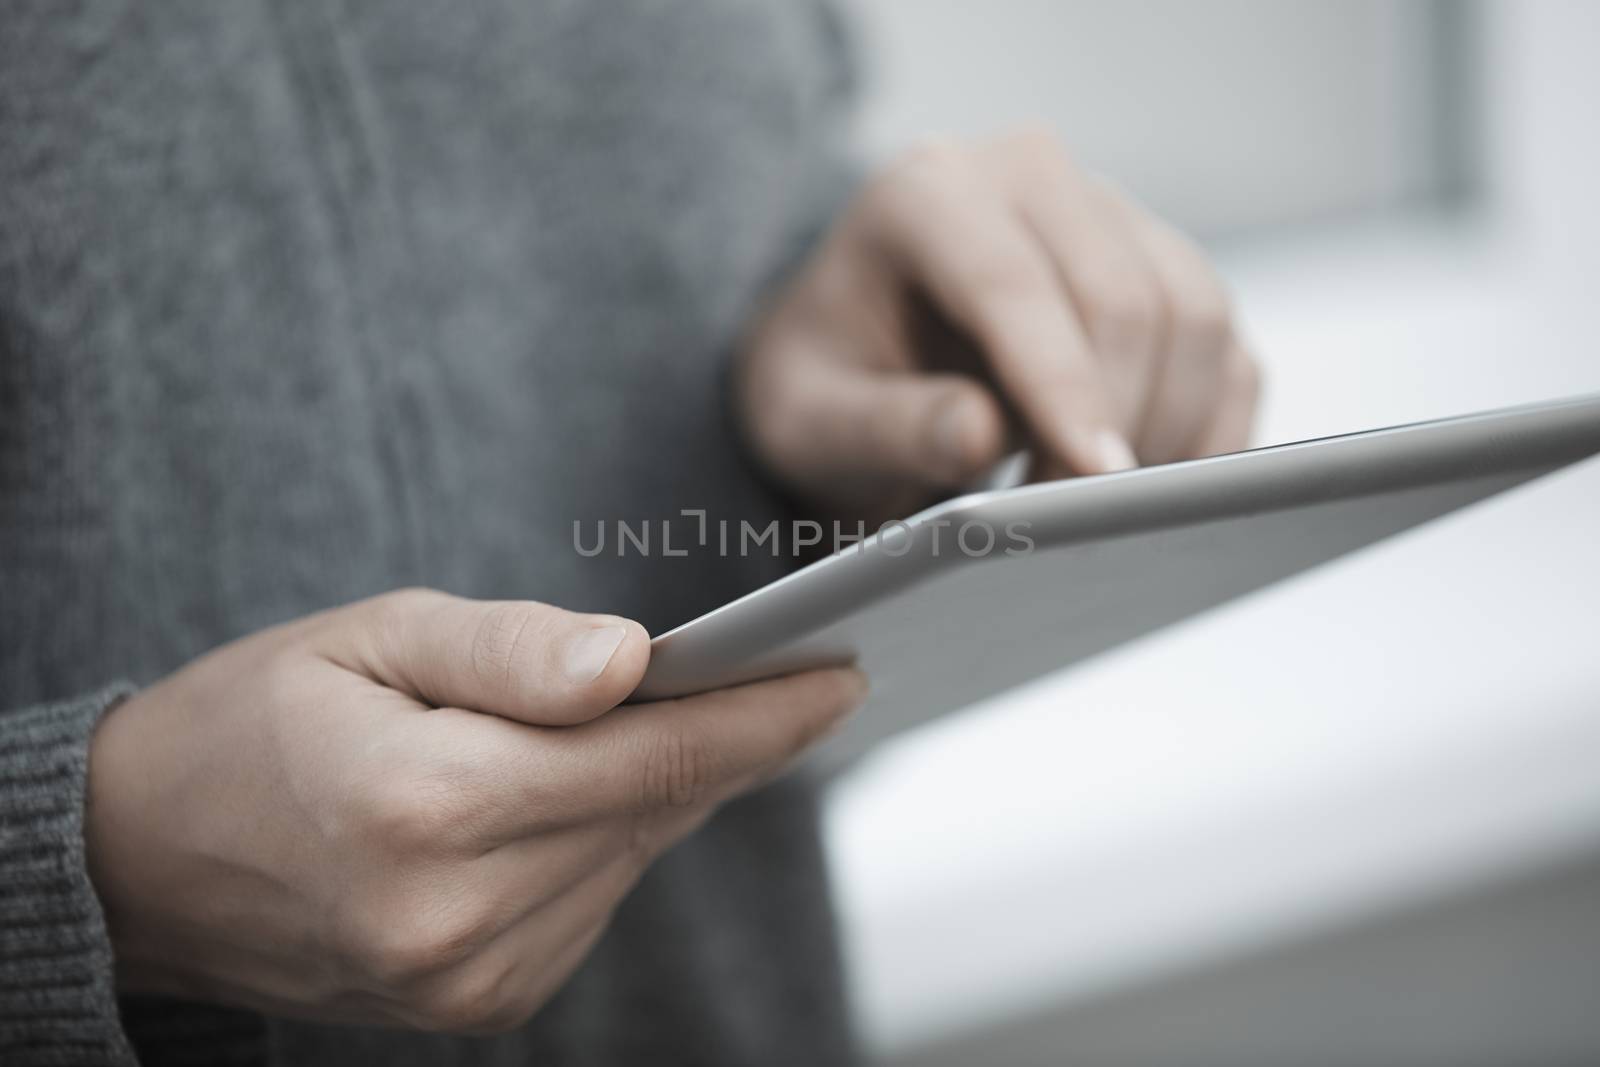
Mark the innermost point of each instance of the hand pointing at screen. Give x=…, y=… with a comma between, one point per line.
x=976, y=298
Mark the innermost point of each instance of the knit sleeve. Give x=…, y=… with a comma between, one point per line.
x=58, y=1000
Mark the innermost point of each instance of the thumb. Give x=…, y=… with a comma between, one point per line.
x=519, y=659
x=936, y=431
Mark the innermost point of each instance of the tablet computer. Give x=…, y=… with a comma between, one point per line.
x=986, y=591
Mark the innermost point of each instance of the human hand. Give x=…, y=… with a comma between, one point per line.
x=972, y=292
x=415, y=810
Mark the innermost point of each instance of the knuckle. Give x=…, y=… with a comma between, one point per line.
x=678, y=769
x=385, y=617
x=1119, y=308
x=470, y=1000
x=927, y=169
x=420, y=937
x=935, y=157
x=1037, y=158
x=500, y=644
x=415, y=813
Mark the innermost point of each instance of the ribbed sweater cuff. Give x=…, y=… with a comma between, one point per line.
x=58, y=1001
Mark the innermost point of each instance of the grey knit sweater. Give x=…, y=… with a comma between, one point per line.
x=302, y=301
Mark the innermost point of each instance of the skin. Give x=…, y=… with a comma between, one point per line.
x=977, y=298
x=416, y=810
x=421, y=811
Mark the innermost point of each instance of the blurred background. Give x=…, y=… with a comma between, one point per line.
x=1353, y=819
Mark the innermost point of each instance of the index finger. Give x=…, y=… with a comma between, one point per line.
x=691, y=750
x=954, y=236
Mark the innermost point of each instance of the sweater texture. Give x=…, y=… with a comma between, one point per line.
x=305, y=300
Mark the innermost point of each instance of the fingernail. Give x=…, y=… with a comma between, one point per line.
x=589, y=652
x=1113, y=453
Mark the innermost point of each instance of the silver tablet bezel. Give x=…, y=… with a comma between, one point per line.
x=713, y=650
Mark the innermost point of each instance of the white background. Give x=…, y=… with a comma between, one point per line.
x=1411, y=724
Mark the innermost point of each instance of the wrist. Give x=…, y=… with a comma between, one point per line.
x=116, y=852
